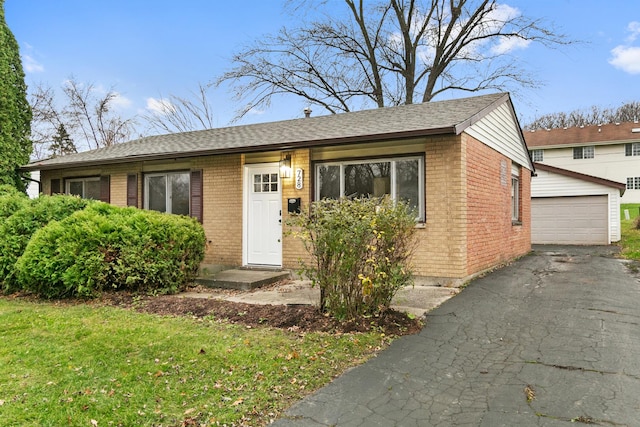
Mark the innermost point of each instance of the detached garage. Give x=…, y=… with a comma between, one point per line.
x=572, y=208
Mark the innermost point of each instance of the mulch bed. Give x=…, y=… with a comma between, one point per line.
x=304, y=318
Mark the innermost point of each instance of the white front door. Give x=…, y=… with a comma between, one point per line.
x=263, y=231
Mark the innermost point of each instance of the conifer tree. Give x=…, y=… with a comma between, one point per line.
x=62, y=143
x=15, y=112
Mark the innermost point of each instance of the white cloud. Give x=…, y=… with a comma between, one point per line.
x=120, y=101
x=634, y=29
x=31, y=65
x=159, y=106
x=626, y=58
x=508, y=44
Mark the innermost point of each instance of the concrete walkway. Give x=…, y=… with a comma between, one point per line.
x=417, y=300
x=551, y=340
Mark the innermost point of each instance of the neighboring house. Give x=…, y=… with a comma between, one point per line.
x=462, y=164
x=610, y=151
x=572, y=208
x=33, y=189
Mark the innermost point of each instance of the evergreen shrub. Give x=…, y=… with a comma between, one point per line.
x=17, y=229
x=105, y=247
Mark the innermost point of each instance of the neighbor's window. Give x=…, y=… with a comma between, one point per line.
x=632, y=149
x=583, y=152
x=515, y=193
x=633, y=183
x=87, y=188
x=537, y=156
x=400, y=178
x=167, y=192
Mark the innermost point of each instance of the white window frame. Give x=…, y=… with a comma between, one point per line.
x=633, y=183
x=392, y=192
x=168, y=195
x=634, y=149
x=515, y=193
x=586, y=152
x=537, y=155
x=69, y=181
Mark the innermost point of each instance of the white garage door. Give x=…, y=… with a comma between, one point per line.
x=570, y=220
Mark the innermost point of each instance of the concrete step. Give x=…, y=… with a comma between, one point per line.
x=241, y=279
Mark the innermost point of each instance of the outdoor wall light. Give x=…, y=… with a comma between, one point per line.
x=285, y=166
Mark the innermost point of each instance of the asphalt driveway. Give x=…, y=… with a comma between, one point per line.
x=551, y=340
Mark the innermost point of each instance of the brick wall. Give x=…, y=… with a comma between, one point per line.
x=441, y=248
x=492, y=238
x=222, y=207
x=292, y=248
x=468, y=224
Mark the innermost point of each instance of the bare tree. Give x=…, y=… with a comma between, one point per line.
x=179, y=114
x=46, y=119
x=86, y=114
x=91, y=114
x=629, y=112
x=389, y=52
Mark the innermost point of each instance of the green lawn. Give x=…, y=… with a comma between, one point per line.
x=630, y=241
x=81, y=365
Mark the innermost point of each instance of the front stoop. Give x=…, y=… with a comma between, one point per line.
x=241, y=279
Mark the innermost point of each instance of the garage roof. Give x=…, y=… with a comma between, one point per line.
x=589, y=178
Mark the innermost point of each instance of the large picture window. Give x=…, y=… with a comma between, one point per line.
x=167, y=192
x=87, y=188
x=400, y=178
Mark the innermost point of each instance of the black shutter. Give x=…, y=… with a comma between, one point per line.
x=55, y=186
x=105, y=189
x=196, y=195
x=132, y=190
x=628, y=149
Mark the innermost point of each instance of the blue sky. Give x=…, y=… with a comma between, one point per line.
x=149, y=49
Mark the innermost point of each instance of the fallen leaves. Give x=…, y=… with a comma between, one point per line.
x=530, y=393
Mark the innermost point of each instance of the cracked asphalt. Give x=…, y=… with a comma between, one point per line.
x=550, y=340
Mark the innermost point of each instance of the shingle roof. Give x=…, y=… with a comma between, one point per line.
x=608, y=133
x=405, y=121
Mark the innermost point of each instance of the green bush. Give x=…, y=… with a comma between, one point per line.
x=17, y=229
x=107, y=247
x=360, y=251
x=10, y=200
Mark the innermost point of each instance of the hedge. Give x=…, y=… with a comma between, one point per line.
x=106, y=247
x=17, y=229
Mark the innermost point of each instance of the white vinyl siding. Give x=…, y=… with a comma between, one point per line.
x=498, y=130
x=611, y=164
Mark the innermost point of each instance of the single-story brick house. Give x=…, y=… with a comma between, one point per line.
x=462, y=163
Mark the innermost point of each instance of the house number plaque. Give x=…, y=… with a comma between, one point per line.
x=299, y=175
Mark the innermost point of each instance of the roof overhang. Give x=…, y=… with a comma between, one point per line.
x=577, y=175
x=291, y=145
